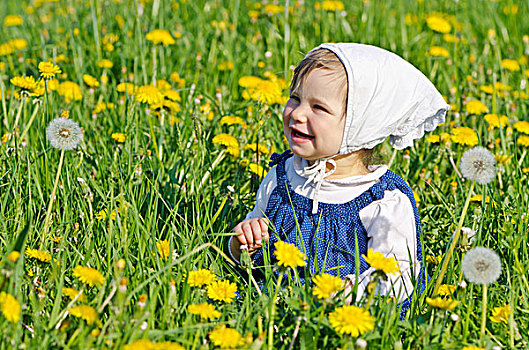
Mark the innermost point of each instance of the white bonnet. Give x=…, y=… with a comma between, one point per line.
x=387, y=97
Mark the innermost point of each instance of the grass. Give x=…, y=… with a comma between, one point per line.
x=193, y=192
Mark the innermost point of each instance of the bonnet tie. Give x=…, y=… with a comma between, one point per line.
x=316, y=173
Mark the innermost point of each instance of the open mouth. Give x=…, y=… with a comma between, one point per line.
x=298, y=134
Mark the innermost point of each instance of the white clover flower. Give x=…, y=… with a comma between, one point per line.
x=481, y=265
x=478, y=164
x=64, y=134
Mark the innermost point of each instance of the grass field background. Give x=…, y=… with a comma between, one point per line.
x=152, y=191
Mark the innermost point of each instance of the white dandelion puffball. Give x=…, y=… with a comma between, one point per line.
x=481, y=265
x=478, y=164
x=64, y=134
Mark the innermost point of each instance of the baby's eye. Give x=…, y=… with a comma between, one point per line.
x=295, y=98
x=321, y=108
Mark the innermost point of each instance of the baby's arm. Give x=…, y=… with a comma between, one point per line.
x=254, y=228
x=391, y=230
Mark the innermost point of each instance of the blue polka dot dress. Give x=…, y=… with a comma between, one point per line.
x=328, y=237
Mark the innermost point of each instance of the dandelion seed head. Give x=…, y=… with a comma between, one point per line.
x=481, y=265
x=478, y=164
x=64, y=134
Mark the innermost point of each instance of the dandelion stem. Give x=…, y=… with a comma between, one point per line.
x=26, y=129
x=455, y=239
x=373, y=286
x=213, y=165
x=52, y=199
x=19, y=112
x=155, y=144
x=484, y=311
x=272, y=312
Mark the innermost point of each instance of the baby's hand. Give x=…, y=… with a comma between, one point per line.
x=253, y=233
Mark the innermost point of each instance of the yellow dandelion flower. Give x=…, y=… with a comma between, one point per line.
x=48, y=70
x=442, y=303
x=200, y=277
x=433, y=139
x=172, y=95
x=501, y=314
x=163, y=85
x=499, y=87
x=226, y=337
x=6, y=49
x=104, y=63
x=25, y=83
x=523, y=141
x=70, y=91
x=521, y=94
x=72, y=293
x=86, y=312
x=479, y=198
x=325, y=285
x=254, y=147
x=438, y=51
x=231, y=120
x=257, y=169
x=148, y=94
x=129, y=88
x=175, y=78
x=465, y=136
x=494, y=120
x=476, y=107
x=352, y=320
x=272, y=9
x=119, y=137
x=204, y=310
x=450, y=38
x=472, y=348
x=446, y=290
x=249, y=81
x=160, y=36
x=225, y=140
x=502, y=158
x=331, y=5
x=145, y=344
x=90, y=80
x=222, y=291
x=522, y=126
x=511, y=65
x=438, y=24
x=13, y=256
x=88, y=275
x=53, y=84
x=288, y=255
x=20, y=44
x=103, y=214
x=10, y=307
x=38, y=255
x=266, y=91
x=163, y=248
x=434, y=259
x=379, y=262
x=223, y=66
x=13, y=21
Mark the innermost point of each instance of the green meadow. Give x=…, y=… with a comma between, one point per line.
x=114, y=225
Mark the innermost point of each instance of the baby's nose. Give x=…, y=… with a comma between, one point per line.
x=299, y=114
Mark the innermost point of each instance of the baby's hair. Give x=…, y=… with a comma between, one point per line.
x=324, y=59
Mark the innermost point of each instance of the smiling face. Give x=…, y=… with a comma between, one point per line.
x=314, y=117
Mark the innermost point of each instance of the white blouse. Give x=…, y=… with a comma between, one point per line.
x=389, y=222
